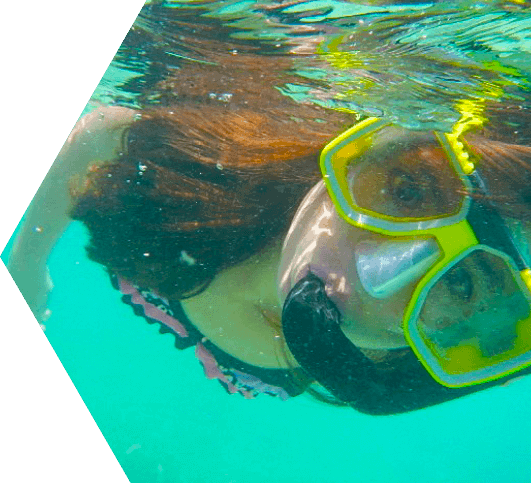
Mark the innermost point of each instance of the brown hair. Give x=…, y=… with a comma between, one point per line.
x=206, y=180
x=214, y=172
x=508, y=168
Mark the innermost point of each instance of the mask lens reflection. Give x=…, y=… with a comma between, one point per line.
x=386, y=267
x=476, y=317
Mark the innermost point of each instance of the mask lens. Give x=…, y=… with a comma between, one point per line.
x=475, y=322
x=394, y=180
x=405, y=179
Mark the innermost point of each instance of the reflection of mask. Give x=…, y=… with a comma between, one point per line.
x=384, y=268
x=400, y=227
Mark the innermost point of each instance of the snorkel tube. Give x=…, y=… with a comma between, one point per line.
x=311, y=326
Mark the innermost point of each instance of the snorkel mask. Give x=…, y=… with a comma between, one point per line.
x=432, y=235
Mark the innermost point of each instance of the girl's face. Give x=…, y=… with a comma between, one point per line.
x=346, y=257
x=319, y=242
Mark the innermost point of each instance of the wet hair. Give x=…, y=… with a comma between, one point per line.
x=208, y=180
x=507, y=167
x=205, y=181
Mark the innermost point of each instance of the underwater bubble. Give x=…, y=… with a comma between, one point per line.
x=187, y=259
x=225, y=97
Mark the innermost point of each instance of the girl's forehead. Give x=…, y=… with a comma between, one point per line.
x=393, y=144
x=415, y=156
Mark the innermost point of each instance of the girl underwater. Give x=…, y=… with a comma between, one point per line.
x=214, y=220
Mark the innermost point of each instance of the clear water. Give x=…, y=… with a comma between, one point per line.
x=166, y=422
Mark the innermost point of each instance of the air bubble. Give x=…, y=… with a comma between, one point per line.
x=226, y=97
x=186, y=259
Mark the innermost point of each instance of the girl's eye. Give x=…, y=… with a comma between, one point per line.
x=405, y=189
x=459, y=283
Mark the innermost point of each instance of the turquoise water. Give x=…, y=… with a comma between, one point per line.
x=166, y=422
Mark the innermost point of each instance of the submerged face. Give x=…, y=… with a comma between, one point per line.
x=371, y=277
x=321, y=242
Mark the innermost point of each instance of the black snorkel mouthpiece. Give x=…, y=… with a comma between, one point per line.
x=311, y=326
x=310, y=322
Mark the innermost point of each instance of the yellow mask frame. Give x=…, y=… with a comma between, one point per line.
x=464, y=364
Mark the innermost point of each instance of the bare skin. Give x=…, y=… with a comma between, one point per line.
x=96, y=137
x=239, y=309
